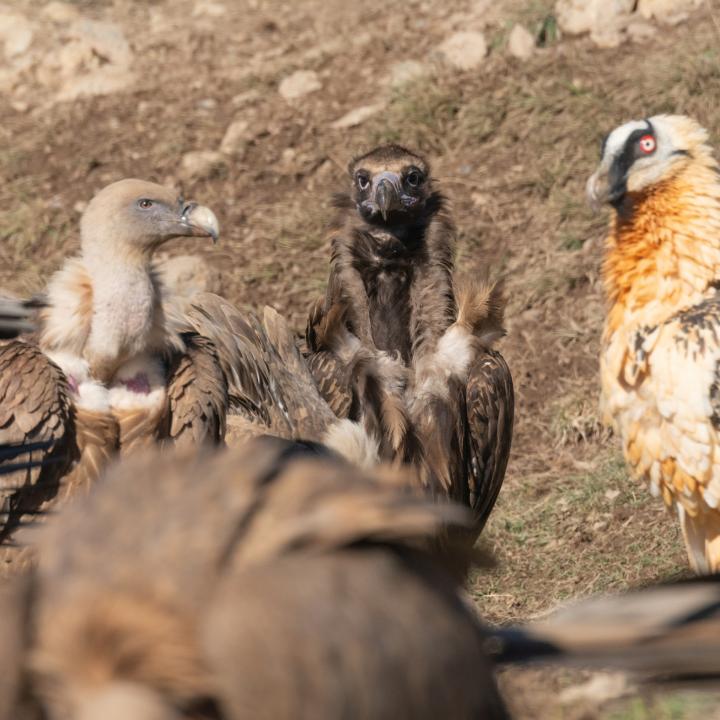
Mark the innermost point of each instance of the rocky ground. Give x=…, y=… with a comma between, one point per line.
x=255, y=107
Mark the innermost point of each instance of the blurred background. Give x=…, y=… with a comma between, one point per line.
x=255, y=108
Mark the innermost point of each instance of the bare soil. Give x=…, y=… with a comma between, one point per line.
x=512, y=143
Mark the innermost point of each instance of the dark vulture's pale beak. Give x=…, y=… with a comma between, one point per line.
x=199, y=221
x=387, y=194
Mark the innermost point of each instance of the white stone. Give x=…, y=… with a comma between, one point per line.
x=236, y=137
x=607, y=37
x=102, y=82
x=106, y=39
x=16, y=32
x=357, y=116
x=300, y=83
x=667, y=11
x=640, y=31
x=593, y=16
x=60, y=12
x=189, y=274
x=207, y=8
x=405, y=72
x=200, y=164
x=464, y=50
x=249, y=97
x=521, y=43
x=96, y=60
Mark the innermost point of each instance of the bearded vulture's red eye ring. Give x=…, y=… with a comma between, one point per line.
x=647, y=144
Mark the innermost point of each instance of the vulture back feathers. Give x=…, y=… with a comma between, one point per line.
x=274, y=613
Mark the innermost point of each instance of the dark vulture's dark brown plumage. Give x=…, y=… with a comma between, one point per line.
x=273, y=582
x=392, y=276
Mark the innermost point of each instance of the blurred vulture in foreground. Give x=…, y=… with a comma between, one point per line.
x=111, y=370
x=667, y=633
x=276, y=582
x=660, y=362
x=391, y=290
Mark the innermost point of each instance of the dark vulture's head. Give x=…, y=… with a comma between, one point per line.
x=391, y=185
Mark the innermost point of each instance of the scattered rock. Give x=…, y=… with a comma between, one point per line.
x=60, y=12
x=667, y=11
x=16, y=33
x=405, y=72
x=95, y=61
x=207, y=8
x=207, y=104
x=300, y=83
x=640, y=31
x=236, y=137
x=464, y=50
x=357, y=116
x=249, y=97
x=106, y=40
x=594, y=16
x=521, y=43
x=600, y=688
x=200, y=164
x=607, y=38
x=189, y=274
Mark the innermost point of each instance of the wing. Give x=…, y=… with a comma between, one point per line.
x=490, y=402
x=35, y=412
x=198, y=397
x=264, y=391
x=331, y=374
x=668, y=630
x=666, y=403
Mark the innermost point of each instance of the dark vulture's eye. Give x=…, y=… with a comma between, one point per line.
x=647, y=144
x=363, y=181
x=145, y=203
x=413, y=178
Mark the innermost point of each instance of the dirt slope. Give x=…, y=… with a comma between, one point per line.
x=513, y=143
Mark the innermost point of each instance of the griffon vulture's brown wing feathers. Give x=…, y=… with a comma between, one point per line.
x=331, y=375
x=490, y=403
x=36, y=415
x=135, y=593
x=197, y=396
x=268, y=391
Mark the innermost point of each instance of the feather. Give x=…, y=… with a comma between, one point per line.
x=661, y=346
x=248, y=570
